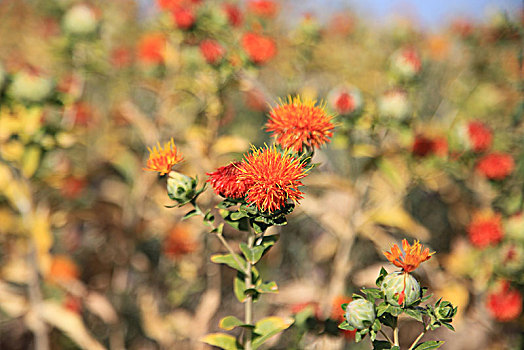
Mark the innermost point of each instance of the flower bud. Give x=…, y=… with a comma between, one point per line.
x=181, y=188
x=445, y=310
x=30, y=87
x=394, y=104
x=360, y=313
x=80, y=20
x=401, y=289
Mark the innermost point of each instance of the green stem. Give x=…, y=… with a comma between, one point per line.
x=248, y=317
x=395, y=336
x=419, y=337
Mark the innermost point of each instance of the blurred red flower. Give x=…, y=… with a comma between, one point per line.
x=297, y=123
x=212, y=51
x=152, y=48
x=180, y=241
x=73, y=187
x=485, y=229
x=233, y=13
x=275, y=178
x=424, y=146
x=411, y=56
x=259, y=48
x=263, y=8
x=121, y=57
x=345, y=103
x=338, y=314
x=184, y=17
x=225, y=181
x=505, y=304
x=496, y=166
x=63, y=269
x=480, y=136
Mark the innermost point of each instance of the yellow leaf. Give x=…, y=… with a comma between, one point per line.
x=31, y=160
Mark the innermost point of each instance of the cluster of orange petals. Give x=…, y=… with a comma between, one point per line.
x=63, y=269
x=485, y=229
x=496, y=166
x=225, y=181
x=152, y=48
x=412, y=257
x=163, y=159
x=259, y=48
x=274, y=178
x=297, y=123
x=504, y=304
x=480, y=136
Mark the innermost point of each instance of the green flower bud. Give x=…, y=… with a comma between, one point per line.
x=360, y=313
x=401, y=289
x=80, y=20
x=30, y=87
x=181, y=188
x=445, y=311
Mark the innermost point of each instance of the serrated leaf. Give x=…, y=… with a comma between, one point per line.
x=429, y=345
x=229, y=261
x=268, y=327
x=221, y=340
x=254, y=254
x=383, y=273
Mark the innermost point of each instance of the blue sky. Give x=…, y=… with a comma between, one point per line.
x=430, y=13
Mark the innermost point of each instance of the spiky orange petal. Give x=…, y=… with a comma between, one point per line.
x=412, y=257
x=163, y=159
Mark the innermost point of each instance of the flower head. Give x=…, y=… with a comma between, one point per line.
x=262, y=8
x=259, y=48
x=505, y=304
x=63, y=269
x=274, y=178
x=296, y=123
x=212, y=51
x=163, y=159
x=496, y=166
x=480, y=137
x=233, y=13
x=180, y=241
x=485, y=229
x=184, y=17
x=412, y=257
x=151, y=48
x=225, y=181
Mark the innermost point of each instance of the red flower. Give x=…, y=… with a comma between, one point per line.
x=275, y=178
x=296, y=124
x=411, y=56
x=212, y=51
x=345, y=103
x=63, y=269
x=262, y=8
x=411, y=258
x=505, y=304
x=424, y=146
x=184, y=17
x=226, y=183
x=338, y=314
x=121, y=57
x=151, y=48
x=180, y=241
x=496, y=166
x=480, y=136
x=171, y=4
x=259, y=48
x=234, y=15
x=485, y=229
x=73, y=187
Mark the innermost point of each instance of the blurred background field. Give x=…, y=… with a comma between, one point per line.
x=428, y=145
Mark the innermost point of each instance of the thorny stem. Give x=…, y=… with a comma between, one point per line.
x=249, y=300
x=386, y=336
x=419, y=337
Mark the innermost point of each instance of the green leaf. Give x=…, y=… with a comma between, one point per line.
x=381, y=345
x=389, y=320
x=429, y=345
x=229, y=261
x=383, y=273
x=230, y=322
x=268, y=327
x=221, y=340
x=237, y=215
x=254, y=254
x=239, y=287
x=345, y=326
x=372, y=294
x=358, y=337
x=190, y=214
x=395, y=347
x=240, y=225
x=414, y=313
x=268, y=287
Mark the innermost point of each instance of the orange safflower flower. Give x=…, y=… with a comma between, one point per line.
x=163, y=159
x=485, y=229
x=504, y=304
x=411, y=258
x=259, y=48
x=296, y=123
x=496, y=165
x=151, y=48
x=274, y=178
x=225, y=181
